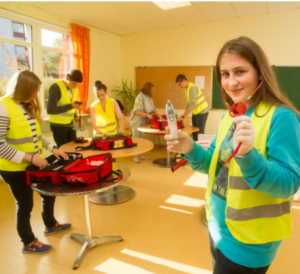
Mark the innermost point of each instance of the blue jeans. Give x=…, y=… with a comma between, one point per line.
x=222, y=265
x=199, y=120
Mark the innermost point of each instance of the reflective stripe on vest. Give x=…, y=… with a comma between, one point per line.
x=68, y=116
x=251, y=215
x=200, y=103
x=19, y=135
x=106, y=121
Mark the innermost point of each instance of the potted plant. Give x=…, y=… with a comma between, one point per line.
x=127, y=95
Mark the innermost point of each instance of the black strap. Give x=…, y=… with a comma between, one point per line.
x=90, y=147
x=49, y=185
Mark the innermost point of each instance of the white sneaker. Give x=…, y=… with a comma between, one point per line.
x=136, y=160
x=144, y=157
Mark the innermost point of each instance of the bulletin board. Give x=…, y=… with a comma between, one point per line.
x=165, y=88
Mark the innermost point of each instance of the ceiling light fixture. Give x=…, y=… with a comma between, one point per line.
x=171, y=5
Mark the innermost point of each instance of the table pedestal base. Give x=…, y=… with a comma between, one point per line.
x=163, y=162
x=115, y=195
x=89, y=244
x=203, y=216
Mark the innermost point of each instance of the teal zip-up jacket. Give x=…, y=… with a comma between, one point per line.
x=282, y=170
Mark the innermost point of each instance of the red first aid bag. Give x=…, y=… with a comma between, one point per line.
x=51, y=173
x=76, y=170
x=89, y=170
x=162, y=124
x=109, y=143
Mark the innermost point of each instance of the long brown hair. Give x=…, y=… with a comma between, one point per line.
x=146, y=89
x=269, y=92
x=21, y=87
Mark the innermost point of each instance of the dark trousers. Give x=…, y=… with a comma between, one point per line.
x=199, y=120
x=23, y=195
x=222, y=265
x=63, y=135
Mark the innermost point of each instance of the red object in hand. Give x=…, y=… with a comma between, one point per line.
x=238, y=109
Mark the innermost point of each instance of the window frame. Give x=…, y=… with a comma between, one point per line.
x=36, y=46
x=41, y=48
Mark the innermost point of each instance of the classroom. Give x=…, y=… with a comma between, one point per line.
x=157, y=213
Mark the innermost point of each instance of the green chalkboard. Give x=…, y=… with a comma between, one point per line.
x=289, y=83
x=217, y=100
x=288, y=80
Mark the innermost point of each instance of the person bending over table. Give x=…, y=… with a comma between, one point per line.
x=104, y=112
x=21, y=144
x=62, y=107
x=248, y=201
x=196, y=104
x=141, y=113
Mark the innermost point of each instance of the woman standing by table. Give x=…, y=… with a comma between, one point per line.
x=104, y=112
x=21, y=144
x=141, y=113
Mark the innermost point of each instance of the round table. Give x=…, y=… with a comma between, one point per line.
x=120, y=193
x=166, y=162
x=88, y=240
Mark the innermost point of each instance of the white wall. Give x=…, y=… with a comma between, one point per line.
x=198, y=45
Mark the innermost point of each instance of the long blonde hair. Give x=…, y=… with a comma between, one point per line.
x=269, y=92
x=21, y=87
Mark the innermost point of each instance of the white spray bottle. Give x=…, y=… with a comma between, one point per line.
x=172, y=122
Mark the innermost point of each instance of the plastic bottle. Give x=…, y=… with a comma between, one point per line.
x=172, y=122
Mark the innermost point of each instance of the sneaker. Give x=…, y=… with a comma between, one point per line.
x=136, y=160
x=36, y=247
x=57, y=228
x=143, y=157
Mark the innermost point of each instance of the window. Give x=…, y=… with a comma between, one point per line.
x=39, y=47
x=15, y=49
x=57, y=58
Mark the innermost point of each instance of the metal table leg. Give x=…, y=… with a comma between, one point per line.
x=165, y=162
x=112, y=196
x=88, y=240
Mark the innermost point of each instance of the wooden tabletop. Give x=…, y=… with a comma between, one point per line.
x=148, y=129
x=143, y=145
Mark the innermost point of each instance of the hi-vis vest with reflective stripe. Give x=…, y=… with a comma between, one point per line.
x=106, y=121
x=19, y=135
x=252, y=216
x=201, y=103
x=65, y=117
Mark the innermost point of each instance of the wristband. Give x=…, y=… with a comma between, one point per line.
x=182, y=116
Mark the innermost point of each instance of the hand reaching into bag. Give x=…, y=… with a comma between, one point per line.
x=59, y=154
x=183, y=144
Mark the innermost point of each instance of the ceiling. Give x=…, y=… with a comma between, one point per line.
x=123, y=18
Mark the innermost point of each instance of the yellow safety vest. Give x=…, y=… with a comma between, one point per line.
x=201, y=103
x=253, y=217
x=68, y=116
x=19, y=135
x=106, y=121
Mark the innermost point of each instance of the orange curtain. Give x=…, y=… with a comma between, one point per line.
x=81, y=48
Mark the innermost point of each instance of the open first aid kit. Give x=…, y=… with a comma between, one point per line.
x=108, y=143
x=76, y=170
